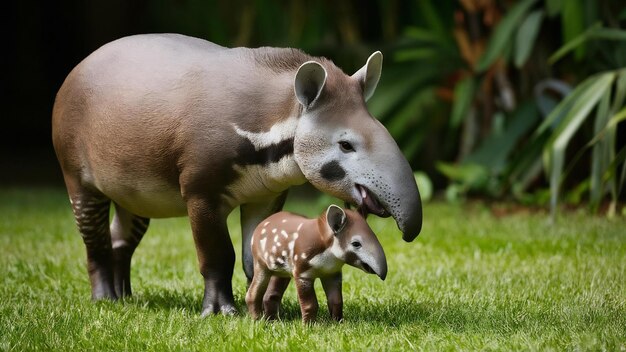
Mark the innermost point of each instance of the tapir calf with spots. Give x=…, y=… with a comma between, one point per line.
x=287, y=245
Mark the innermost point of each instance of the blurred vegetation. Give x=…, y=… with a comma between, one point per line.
x=504, y=99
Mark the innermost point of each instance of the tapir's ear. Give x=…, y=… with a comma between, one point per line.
x=309, y=82
x=369, y=75
x=336, y=218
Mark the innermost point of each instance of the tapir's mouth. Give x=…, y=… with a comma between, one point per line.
x=367, y=268
x=369, y=204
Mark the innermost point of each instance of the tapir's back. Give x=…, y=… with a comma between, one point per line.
x=130, y=87
x=129, y=115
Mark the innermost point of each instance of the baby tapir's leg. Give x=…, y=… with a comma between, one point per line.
x=254, y=296
x=91, y=211
x=332, y=288
x=127, y=230
x=307, y=299
x=273, y=295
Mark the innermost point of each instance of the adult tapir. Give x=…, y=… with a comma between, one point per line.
x=165, y=125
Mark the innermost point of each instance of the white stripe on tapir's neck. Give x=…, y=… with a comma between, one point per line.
x=281, y=131
x=257, y=182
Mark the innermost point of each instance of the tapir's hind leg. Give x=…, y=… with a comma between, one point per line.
x=127, y=230
x=91, y=211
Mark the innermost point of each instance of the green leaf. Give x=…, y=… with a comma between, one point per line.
x=463, y=96
x=554, y=152
x=526, y=36
x=495, y=149
x=407, y=113
x=600, y=154
x=422, y=35
x=581, y=109
x=468, y=174
x=554, y=7
x=623, y=173
x=595, y=32
x=397, y=85
x=431, y=17
x=572, y=21
x=572, y=44
x=611, y=171
x=617, y=118
x=424, y=184
x=558, y=112
x=502, y=34
x=609, y=34
x=620, y=91
x=412, y=54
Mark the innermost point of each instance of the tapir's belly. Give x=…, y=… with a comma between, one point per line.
x=151, y=197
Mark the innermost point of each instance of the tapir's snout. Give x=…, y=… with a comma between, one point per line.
x=373, y=261
x=392, y=190
x=412, y=226
x=410, y=215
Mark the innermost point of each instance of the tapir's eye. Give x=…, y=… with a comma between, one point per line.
x=356, y=244
x=346, y=147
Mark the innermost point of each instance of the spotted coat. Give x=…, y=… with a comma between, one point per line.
x=288, y=245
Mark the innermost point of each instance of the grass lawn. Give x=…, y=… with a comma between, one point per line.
x=470, y=281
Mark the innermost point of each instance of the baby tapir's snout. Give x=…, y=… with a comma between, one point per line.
x=360, y=246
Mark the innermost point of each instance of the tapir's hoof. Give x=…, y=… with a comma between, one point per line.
x=101, y=294
x=227, y=310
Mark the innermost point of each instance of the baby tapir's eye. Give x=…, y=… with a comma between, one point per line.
x=346, y=146
x=356, y=244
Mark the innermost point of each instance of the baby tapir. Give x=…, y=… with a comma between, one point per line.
x=286, y=245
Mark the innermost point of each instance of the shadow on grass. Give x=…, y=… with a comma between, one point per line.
x=396, y=313
x=191, y=301
x=167, y=299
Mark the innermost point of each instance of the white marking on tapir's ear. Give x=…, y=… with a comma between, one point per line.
x=309, y=82
x=336, y=218
x=369, y=75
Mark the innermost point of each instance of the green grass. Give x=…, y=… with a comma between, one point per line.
x=469, y=282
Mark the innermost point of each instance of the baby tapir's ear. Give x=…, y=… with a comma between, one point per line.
x=336, y=218
x=309, y=82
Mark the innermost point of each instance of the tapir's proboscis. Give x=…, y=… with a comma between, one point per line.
x=164, y=125
x=288, y=245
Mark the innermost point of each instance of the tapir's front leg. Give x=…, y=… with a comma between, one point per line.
x=307, y=299
x=332, y=288
x=216, y=256
x=251, y=215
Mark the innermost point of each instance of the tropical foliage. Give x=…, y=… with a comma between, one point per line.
x=524, y=80
x=519, y=99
